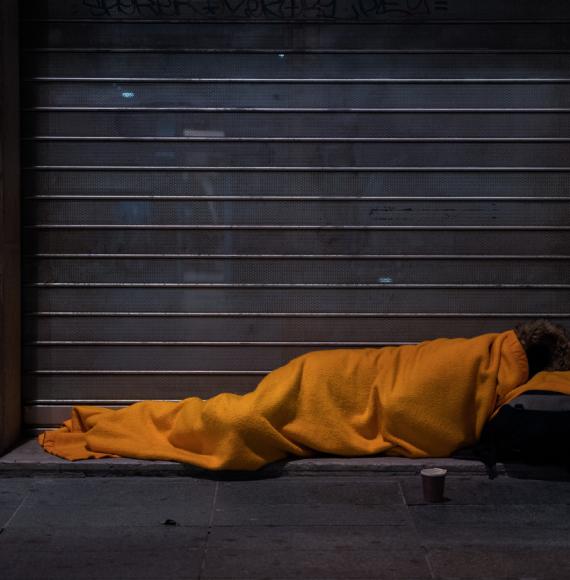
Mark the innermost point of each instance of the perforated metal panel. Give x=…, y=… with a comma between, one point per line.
x=211, y=190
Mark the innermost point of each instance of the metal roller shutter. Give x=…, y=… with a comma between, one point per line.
x=211, y=189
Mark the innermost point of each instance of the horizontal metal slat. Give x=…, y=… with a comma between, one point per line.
x=315, y=95
x=301, y=241
x=277, y=155
x=282, y=52
x=299, y=213
x=277, y=257
x=275, y=36
x=387, y=81
x=292, y=140
x=157, y=359
x=239, y=329
x=327, y=344
x=53, y=387
x=284, y=198
x=280, y=228
x=426, y=11
x=301, y=183
x=49, y=416
x=296, y=301
x=263, y=315
x=218, y=286
x=288, y=315
x=291, y=271
x=235, y=124
x=103, y=372
x=278, y=65
x=293, y=169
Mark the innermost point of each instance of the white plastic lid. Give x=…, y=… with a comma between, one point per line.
x=434, y=472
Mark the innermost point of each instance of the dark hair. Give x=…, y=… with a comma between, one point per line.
x=547, y=345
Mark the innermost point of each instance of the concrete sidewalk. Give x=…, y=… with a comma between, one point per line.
x=332, y=518
x=368, y=526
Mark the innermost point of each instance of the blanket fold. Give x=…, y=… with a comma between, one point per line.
x=424, y=400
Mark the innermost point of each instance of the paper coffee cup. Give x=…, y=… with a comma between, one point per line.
x=433, y=482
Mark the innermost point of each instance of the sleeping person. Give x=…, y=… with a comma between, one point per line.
x=424, y=400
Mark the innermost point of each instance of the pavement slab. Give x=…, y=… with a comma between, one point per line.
x=152, y=564
x=483, y=491
x=124, y=502
x=335, y=563
x=313, y=537
x=12, y=494
x=310, y=514
x=492, y=525
x=522, y=562
x=332, y=490
x=330, y=501
x=95, y=539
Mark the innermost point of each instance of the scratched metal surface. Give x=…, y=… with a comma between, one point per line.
x=167, y=255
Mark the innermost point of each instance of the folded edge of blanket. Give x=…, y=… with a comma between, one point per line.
x=70, y=441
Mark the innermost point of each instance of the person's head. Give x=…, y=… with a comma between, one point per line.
x=547, y=345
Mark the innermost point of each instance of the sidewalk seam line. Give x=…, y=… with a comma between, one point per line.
x=5, y=526
x=209, y=531
x=416, y=532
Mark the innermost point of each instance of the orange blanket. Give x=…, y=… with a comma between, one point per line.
x=424, y=400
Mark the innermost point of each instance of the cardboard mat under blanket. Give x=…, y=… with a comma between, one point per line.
x=424, y=400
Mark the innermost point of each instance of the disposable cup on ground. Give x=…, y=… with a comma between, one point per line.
x=433, y=482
